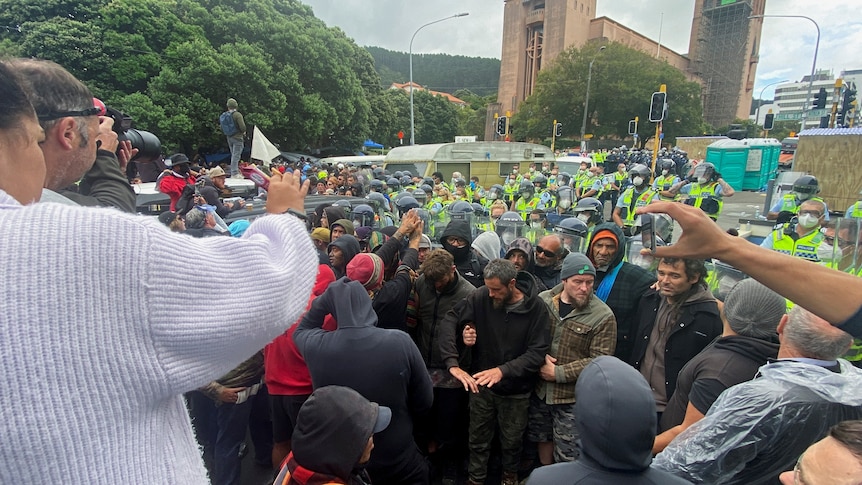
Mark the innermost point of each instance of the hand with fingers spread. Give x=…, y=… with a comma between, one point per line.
x=125, y=154
x=465, y=378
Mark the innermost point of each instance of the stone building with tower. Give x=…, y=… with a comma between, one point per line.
x=722, y=57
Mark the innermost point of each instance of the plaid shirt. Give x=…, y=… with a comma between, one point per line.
x=575, y=340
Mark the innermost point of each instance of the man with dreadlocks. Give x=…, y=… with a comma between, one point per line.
x=676, y=319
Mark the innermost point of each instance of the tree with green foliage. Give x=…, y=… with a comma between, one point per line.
x=172, y=64
x=440, y=72
x=623, y=81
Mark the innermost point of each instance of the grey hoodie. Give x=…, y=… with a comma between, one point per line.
x=616, y=418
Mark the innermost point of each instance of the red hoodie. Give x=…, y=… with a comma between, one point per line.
x=285, y=371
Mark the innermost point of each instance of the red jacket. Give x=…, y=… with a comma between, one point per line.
x=285, y=371
x=173, y=186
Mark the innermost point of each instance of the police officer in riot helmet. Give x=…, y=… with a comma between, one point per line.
x=405, y=203
x=805, y=188
x=564, y=179
x=420, y=196
x=378, y=174
x=509, y=227
x=540, y=182
x=496, y=192
x=565, y=199
x=705, y=189
x=590, y=211
x=394, y=185
x=573, y=232
x=376, y=185
x=363, y=215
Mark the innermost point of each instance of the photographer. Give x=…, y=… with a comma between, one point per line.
x=80, y=145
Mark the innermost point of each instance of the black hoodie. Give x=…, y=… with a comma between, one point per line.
x=466, y=261
x=724, y=363
x=616, y=417
x=349, y=247
x=515, y=341
x=631, y=283
x=381, y=364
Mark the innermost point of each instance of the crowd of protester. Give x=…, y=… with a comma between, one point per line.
x=518, y=337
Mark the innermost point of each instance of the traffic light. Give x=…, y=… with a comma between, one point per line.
x=558, y=129
x=633, y=127
x=824, y=121
x=657, y=106
x=501, y=125
x=849, y=98
x=820, y=99
x=769, y=121
x=839, y=119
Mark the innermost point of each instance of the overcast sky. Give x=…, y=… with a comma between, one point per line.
x=786, y=52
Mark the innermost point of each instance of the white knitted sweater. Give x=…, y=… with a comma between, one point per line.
x=106, y=319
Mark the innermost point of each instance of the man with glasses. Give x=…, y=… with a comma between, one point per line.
x=549, y=260
x=801, y=237
x=80, y=144
x=582, y=327
x=836, y=459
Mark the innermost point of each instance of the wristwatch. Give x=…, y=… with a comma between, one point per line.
x=298, y=215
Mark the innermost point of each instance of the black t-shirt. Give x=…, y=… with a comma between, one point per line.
x=565, y=309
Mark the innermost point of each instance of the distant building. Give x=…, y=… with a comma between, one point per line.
x=791, y=97
x=723, y=49
x=416, y=87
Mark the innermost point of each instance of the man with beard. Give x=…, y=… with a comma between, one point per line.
x=619, y=284
x=549, y=256
x=675, y=322
x=582, y=328
x=508, y=336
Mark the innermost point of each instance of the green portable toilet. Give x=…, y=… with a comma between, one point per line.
x=762, y=164
x=730, y=158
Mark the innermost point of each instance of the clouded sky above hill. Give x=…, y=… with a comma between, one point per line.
x=786, y=51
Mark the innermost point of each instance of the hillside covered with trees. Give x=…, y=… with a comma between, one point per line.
x=440, y=72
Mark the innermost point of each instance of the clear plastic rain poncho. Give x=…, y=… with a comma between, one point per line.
x=758, y=429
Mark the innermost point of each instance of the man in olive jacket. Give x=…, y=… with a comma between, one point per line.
x=582, y=327
x=508, y=336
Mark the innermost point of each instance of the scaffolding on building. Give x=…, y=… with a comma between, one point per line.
x=721, y=56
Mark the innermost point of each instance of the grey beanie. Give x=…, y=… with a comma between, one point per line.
x=753, y=310
x=231, y=103
x=576, y=263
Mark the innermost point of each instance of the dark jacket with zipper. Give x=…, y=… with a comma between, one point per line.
x=631, y=284
x=390, y=301
x=432, y=308
x=515, y=341
x=697, y=324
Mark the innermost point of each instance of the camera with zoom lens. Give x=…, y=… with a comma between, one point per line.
x=149, y=146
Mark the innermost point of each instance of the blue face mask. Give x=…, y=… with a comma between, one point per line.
x=472, y=185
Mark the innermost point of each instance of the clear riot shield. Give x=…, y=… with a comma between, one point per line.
x=846, y=246
x=722, y=277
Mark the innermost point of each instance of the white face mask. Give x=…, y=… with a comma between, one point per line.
x=808, y=221
x=515, y=170
x=565, y=204
x=526, y=195
x=584, y=217
x=532, y=170
x=665, y=172
x=536, y=225
x=802, y=196
x=638, y=180
x=702, y=180
x=826, y=252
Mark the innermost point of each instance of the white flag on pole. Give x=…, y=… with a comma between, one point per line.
x=263, y=149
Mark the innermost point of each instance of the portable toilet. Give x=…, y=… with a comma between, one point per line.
x=762, y=163
x=730, y=158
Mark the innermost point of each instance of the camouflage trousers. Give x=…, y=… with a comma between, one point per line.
x=554, y=422
x=488, y=411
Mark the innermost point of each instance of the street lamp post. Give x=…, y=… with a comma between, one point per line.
x=813, y=63
x=757, y=112
x=587, y=99
x=412, y=132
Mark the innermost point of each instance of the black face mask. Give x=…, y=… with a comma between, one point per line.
x=458, y=254
x=182, y=169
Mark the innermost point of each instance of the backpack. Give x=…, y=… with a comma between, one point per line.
x=228, y=126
